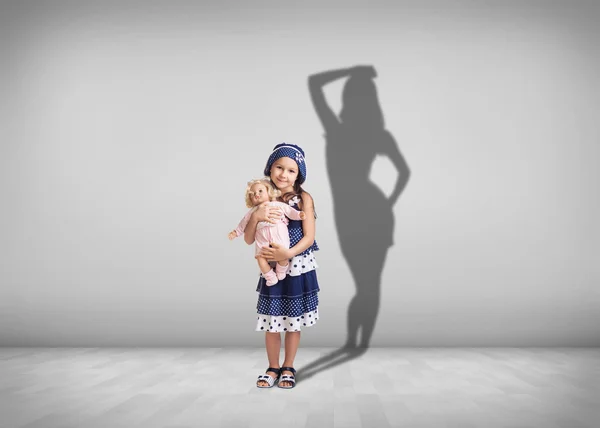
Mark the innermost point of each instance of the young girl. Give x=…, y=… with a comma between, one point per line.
x=292, y=303
x=258, y=192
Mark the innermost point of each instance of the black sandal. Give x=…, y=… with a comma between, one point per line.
x=287, y=378
x=268, y=378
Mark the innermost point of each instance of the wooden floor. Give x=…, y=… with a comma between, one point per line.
x=202, y=387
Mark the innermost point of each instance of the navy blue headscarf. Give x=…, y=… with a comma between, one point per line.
x=291, y=151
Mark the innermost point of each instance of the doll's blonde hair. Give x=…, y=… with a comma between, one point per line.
x=271, y=190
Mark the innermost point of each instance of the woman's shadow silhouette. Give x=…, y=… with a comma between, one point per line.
x=363, y=213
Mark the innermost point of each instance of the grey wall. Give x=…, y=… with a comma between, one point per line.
x=128, y=133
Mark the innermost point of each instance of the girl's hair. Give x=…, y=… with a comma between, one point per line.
x=272, y=191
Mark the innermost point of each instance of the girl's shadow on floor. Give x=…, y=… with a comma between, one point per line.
x=329, y=361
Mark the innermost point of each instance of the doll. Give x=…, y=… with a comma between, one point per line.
x=258, y=192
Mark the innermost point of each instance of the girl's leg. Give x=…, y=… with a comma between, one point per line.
x=292, y=340
x=273, y=345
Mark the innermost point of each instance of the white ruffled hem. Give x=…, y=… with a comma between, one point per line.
x=278, y=324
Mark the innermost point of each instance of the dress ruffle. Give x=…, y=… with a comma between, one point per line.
x=278, y=324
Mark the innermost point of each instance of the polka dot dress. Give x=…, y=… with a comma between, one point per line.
x=293, y=302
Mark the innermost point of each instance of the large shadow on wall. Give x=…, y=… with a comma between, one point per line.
x=363, y=214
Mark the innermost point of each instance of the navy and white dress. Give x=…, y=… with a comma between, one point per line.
x=293, y=302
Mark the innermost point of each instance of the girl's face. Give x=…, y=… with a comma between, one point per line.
x=284, y=173
x=258, y=194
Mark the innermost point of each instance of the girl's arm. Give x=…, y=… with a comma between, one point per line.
x=315, y=86
x=390, y=148
x=264, y=212
x=308, y=227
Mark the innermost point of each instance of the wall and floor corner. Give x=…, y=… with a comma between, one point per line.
x=129, y=130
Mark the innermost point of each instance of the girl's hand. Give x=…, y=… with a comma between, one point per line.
x=302, y=215
x=231, y=235
x=276, y=254
x=265, y=212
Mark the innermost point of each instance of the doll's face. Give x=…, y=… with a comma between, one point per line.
x=259, y=194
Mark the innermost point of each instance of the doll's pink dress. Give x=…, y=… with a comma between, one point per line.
x=270, y=232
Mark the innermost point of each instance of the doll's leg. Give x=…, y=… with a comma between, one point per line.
x=281, y=269
x=263, y=265
x=281, y=236
x=265, y=268
x=267, y=272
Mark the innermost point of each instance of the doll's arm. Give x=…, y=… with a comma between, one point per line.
x=241, y=227
x=293, y=213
